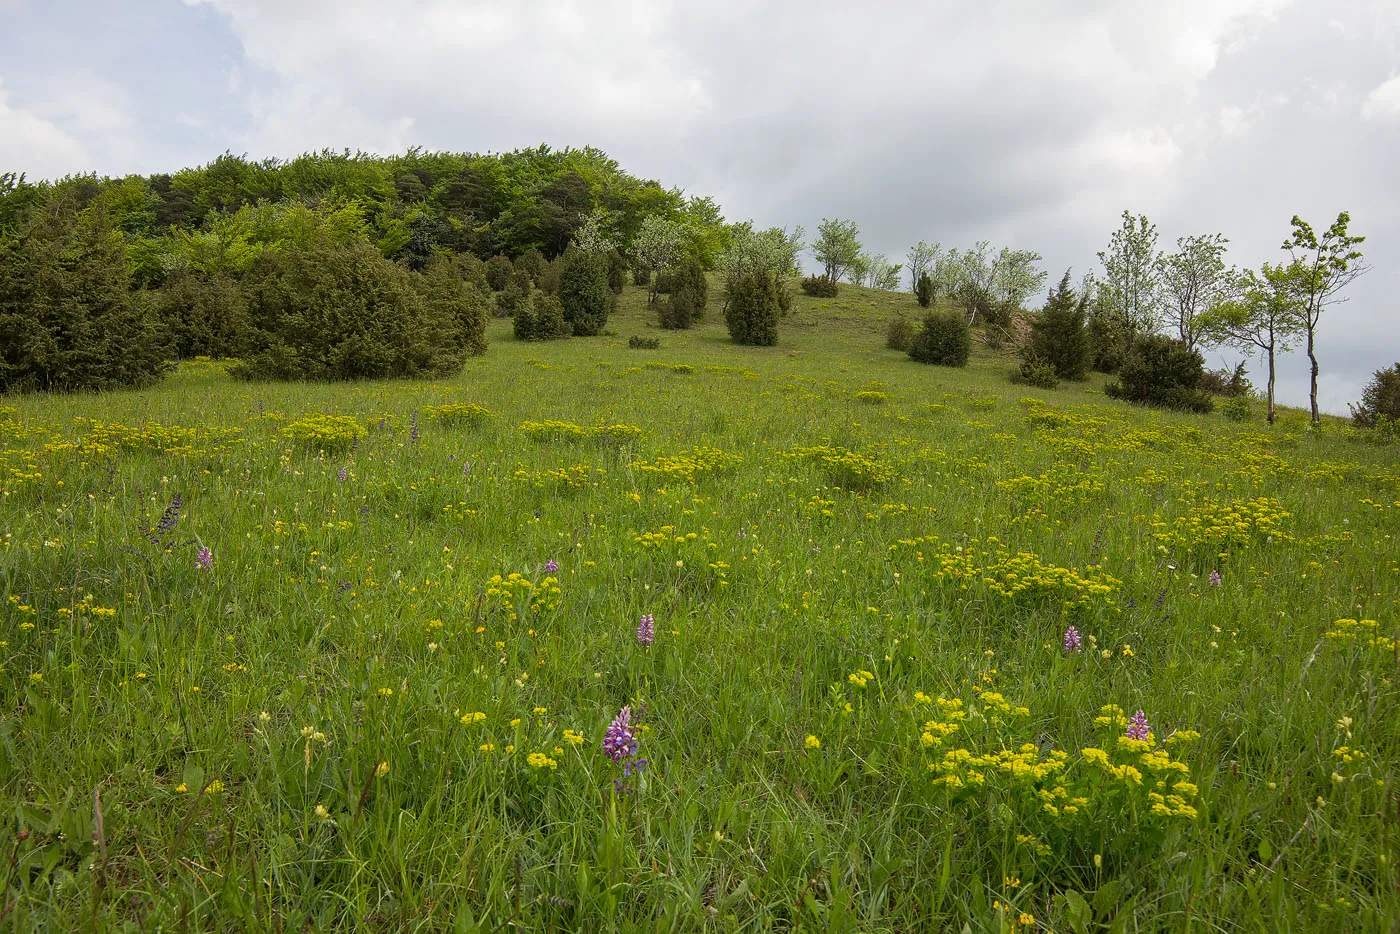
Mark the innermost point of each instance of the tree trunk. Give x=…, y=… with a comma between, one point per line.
x=1272, y=411
x=1312, y=395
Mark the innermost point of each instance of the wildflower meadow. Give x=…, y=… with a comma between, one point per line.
x=700, y=637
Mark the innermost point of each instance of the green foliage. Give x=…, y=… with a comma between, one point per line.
x=1108, y=341
x=819, y=287
x=328, y=311
x=1161, y=371
x=752, y=307
x=678, y=311
x=1238, y=408
x=641, y=277
x=205, y=316
x=1059, y=336
x=321, y=433
x=923, y=290
x=900, y=334
x=531, y=263
x=510, y=299
x=1380, y=400
x=1230, y=382
x=1037, y=372
x=617, y=272
x=689, y=276
x=446, y=296
x=945, y=339
x=837, y=247
x=637, y=342
x=69, y=318
x=499, y=272
x=541, y=320
x=583, y=290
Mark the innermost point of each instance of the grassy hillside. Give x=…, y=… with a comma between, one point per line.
x=383, y=697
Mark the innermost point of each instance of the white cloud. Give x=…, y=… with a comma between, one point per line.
x=1383, y=103
x=36, y=146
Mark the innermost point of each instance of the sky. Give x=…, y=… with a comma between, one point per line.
x=1033, y=124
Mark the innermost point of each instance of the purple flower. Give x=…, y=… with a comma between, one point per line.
x=1214, y=578
x=341, y=474
x=1072, y=640
x=618, y=741
x=205, y=559
x=1138, y=728
x=646, y=630
x=551, y=566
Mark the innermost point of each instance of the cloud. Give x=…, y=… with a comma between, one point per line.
x=35, y=145
x=1383, y=103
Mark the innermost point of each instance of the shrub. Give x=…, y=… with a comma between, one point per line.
x=1036, y=372
x=678, y=310
x=321, y=309
x=541, y=320
x=637, y=342
x=1161, y=371
x=617, y=272
x=583, y=290
x=752, y=307
x=446, y=296
x=641, y=277
x=549, y=277
x=945, y=340
x=205, y=316
x=456, y=413
x=923, y=290
x=900, y=334
x=1107, y=343
x=69, y=319
x=532, y=264
x=819, y=287
x=1238, y=408
x=690, y=277
x=1229, y=383
x=1059, y=338
x=1380, y=400
x=511, y=299
x=499, y=272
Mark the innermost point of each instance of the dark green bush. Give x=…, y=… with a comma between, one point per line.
x=499, y=272
x=752, y=307
x=1238, y=408
x=69, y=318
x=204, y=316
x=1036, y=372
x=1059, y=337
x=1161, y=371
x=690, y=276
x=617, y=272
x=541, y=320
x=900, y=334
x=641, y=277
x=1380, y=400
x=510, y=299
x=446, y=295
x=945, y=339
x=549, y=276
x=637, y=342
x=819, y=287
x=1108, y=342
x=583, y=290
x=923, y=290
x=323, y=310
x=532, y=263
x=1227, y=382
x=678, y=310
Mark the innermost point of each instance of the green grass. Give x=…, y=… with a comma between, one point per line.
x=787, y=533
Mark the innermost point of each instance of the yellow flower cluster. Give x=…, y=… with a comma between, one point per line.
x=860, y=678
x=846, y=469
x=456, y=413
x=576, y=476
x=1362, y=632
x=1225, y=526
x=568, y=431
x=872, y=397
x=324, y=433
x=1021, y=577
x=541, y=761
x=515, y=594
x=687, y=468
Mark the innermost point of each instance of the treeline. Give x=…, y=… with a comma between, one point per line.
x=327, y=266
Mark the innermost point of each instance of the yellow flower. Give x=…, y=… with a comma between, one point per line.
x=381, y=769
x=515, y=723
x=813, y=743
x=321, y=812
x=573, y=737
x=541, y=761
x=487, y=747
x=214, y=787
x=181, y=788
x=1127, y=650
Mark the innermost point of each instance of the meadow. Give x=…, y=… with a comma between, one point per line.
x=311, y=657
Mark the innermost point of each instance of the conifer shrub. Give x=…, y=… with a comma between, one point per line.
x=1228, y=382
x=499, y=272
x=752, y=308
x=678, y=310
x=1108, y=341
x=204, y=316
x=583, y=290
x=1237, y=408
x=923, y=290
x=1059, y=338
x=945, y=339
x=690, y=276
x=532, y=263
x=1161, y=371
x=637, y=342
x=549, y=276
x=541, y=319
x=327, y=310
x=819, y=287
x=1036, y=372
x=510, y=299
x=900, y=334
x=1380, y=400
x=69, y=318
x=445, y=295
x=617, y=272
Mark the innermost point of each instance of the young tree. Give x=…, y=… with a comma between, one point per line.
x=1380, y=400
x=757, y=267
x=969, y=279
x=1260, y=316
x=657, y=247
x=1014, y=278
x=920, y=262
x=837, y=246
x=923, y=290
x=1133, y=269
x=1322, y=267
x=1194, y=279
x=883, y=274
x=1059, y=337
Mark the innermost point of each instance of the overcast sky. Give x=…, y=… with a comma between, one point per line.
x=1032, y=123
